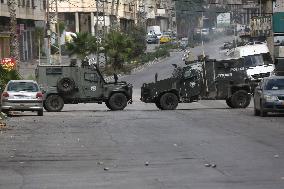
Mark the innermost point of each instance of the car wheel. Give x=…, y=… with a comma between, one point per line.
x=40, y=113
x=117, y=101
x=168, y=101
x=66, y=85
x=262, y=112
x=107, y=105
x=240, y=99
x=229, y=102
x=54, y=103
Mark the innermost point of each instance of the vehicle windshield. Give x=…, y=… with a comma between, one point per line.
x=253, y=60
x=22, y=86
x=274, y=84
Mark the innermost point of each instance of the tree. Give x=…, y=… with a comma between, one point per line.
x=118, y=48
x=14, y=43
x=82, y=45
x=7, y=75
x=138, y=34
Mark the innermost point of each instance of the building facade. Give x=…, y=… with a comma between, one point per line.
x=30, y=14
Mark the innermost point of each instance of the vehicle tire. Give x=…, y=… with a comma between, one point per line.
x=54, y=103
x=40, y=113
x=168, y=101
x=117, y=101
x=262, y=113
x=107, y=105
x=240, y=99
x=66, y=85
x=229, y=102
x=158, y=104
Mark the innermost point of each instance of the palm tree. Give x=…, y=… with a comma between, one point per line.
x=82, y=45
x=13, y=29
x=118, y=48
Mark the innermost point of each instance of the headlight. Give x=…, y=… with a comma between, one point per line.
x=269, y=98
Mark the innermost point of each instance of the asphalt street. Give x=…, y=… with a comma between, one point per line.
x=202, y=145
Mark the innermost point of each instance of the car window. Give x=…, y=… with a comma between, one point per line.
x=22, y=86
x=91, y=77
x=253, y=60
x=274, y=84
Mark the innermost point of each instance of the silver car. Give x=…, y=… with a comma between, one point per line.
x=269, y=96
x=22, y=95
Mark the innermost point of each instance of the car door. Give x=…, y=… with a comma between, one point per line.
x=91, y=83
x=190, y=82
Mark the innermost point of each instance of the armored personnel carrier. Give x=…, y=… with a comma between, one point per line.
x=73, y=84
x=232, y=80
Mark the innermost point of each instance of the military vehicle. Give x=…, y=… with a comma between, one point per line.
x=231, y=80
x=73, y=84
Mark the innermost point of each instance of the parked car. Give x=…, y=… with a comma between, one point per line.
x=22, y=95
x=165, y=39
x=269, y=96
x=152, y=39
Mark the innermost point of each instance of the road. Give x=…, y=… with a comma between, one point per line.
x=86, y=146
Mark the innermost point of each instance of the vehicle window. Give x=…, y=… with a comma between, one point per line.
x=53, y=71
x=274, y=84
x=254, y=60
x=91, y=77
x=23, y=86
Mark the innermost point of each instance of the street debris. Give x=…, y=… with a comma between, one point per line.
x=146, y=163
x=207, y=165
x=276, y=156
x=210, y=165
x=175, y=145
x=100, y=163
x=106, y=168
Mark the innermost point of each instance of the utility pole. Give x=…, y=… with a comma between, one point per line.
x=14, y=43
x=100, y=32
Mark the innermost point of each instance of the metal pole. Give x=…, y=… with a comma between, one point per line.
x=58, y=33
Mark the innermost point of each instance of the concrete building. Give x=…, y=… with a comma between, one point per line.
x=80, y=16
x=30, y=14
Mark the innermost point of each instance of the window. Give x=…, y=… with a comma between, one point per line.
x=274, y=84
x=23, y=86
x=253, y=60
x=53, y=71
x=91, y=77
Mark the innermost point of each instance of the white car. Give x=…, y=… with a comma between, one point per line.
x=22, y=95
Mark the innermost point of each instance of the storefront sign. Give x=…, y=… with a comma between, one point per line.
x=261, y=26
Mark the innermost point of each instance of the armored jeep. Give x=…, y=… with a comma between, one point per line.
x=224, y=80
x=73, y=84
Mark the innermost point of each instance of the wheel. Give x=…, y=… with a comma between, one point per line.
x=54, y=103
x=262, y=112
x=40, y=113
x=158, y=104
x=240, y=99
x=229, y=102
x=168, y=101
x=117, y=101
x=66, y=85
x=107, y=105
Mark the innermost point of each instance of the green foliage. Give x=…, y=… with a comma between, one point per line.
x=138, y=34
x=83, y=44
x=162, y=51
x=118, y=48
x=6, y=76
